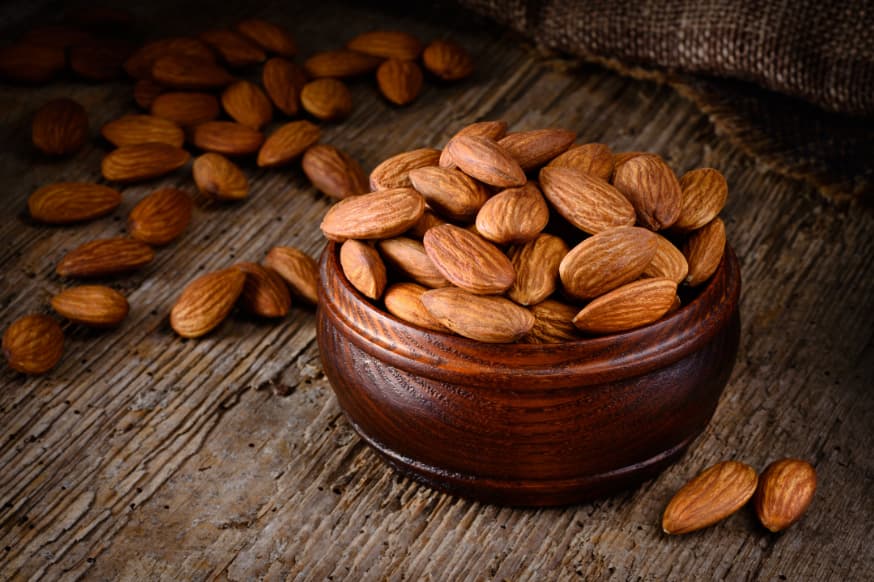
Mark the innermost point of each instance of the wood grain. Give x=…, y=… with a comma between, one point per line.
x=144, y=456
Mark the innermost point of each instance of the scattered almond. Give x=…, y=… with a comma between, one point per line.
x=218, y=177
x=69, y=202
x=139, y=64
x=142, y=161
x=334, y=172
x=298, y=269
x=206, y=302
x=447, y=60
x=160, y=217
x=784, y=493
x=182, y=72
x=60, y=127
x=94, y=305
x=33, y=344
x=534, y=148
x=287, y=143
x=394, y=171
x=247, y=104
x=235, y=49
x=326, y=99
x=186, y=109
x=227, y=137
x=31, y=63
x=270, y=37
x=100, y=59
x=399, y=81
x=145, y=93
x=103, y=257
x=283, y=81
x=387, y=44
x=704, y=194
x=340, y=63
x=264, y=292
x=138, y=129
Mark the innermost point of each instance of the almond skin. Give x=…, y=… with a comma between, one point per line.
x=485, y=160
x=227, y=137
x=139, y=64
x=468, y=260
x=591, y=158
x=94, y=305
x=784, y=493
x=299, y=271
x=186, y=109
x=380, y=214
x=363, y=268
x=146, y=91
x=69, y=202
x=452, y=193
x=534, y=148
x=447, y=60
x=137, y=129
x=587, y=202
x=103, y=257
x=399, y=81
x=265, y=293
x=218, y=177
x=652, y=188
x=31, y=63
x=703, y=251
x=404, y=301
x=704, y=194
x=493, y=130
x=628, y=307
x=326, y=99
x=340, y=64
x=711, y=496
x=282, y=82
x=334, y=172
x=515, y=215
x=181, y=72
x=607, y=260
x=287, y=143
x=536, y=264
x=269, y=36
x=388, y=44
x=142, y=161
x=409, y=257
x=394, y=171
x=247, y=104
x=160, y=217
x=100, y=59
x=206, y=302
x=235, y=49
x=667, y=262
x=428, y=220
x=553, y=323
x=483, y=318
x=33, y=344
x=60, y=127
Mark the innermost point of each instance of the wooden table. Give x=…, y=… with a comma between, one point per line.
x=144, y=456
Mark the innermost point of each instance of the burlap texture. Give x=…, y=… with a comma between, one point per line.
x=791, y=81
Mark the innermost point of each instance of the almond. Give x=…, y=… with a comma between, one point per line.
x=394, y=172
x=206, y=302
x=186, y=109
x=628, y=307
x=60, y=127
x=587, y=202
x=55, y=35
x=142, y=162
x=710, y=497
x=591, y=158
x=326, y=99
x=340, y=63
x=468, y=260
x=100, y=59
x=652, y=188
x=94, y=305
x=536, y=264
x=704, y=194
x=399, y=81
x=247, y=104
x=607, y=260
x=553, y=323
x=668, y=262
x=380, y=214
x=139, y=65
x=181, y=72
x=33, y=344
x=363, y=268
x=452, y=193
x=404, y=301
x=283, y=81
x=620, y=158
x=31, y=63
x=298, y=269
x=137, y=129
x=703, y=251
x=145, y=93
x=235, y=49
x=269, y=36
x=287, y=143
x=784, y=493
x=160, y=217
x=218, y=177
x=515, y=215
x=493, y=130
x=227, y=137
x=447, y=60
x=478, y=317
x=264, y=292
x=486, y=161
x=334, y=172
x=428, y=220
x=69, y=202
x=388, y=44
x=109, y=256
x=534, y=148
x=409, y=257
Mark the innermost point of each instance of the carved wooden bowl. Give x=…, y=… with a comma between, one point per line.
x=528, y=424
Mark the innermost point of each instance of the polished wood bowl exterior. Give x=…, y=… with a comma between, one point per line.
x=526, y=424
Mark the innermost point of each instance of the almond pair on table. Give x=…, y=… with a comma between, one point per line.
x=524, y=236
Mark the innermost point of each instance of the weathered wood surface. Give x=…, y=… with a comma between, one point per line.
x=143, y=456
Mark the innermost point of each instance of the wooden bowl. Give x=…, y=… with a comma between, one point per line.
x=527, y=424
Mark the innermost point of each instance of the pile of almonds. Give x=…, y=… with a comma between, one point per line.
x=472, y=244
